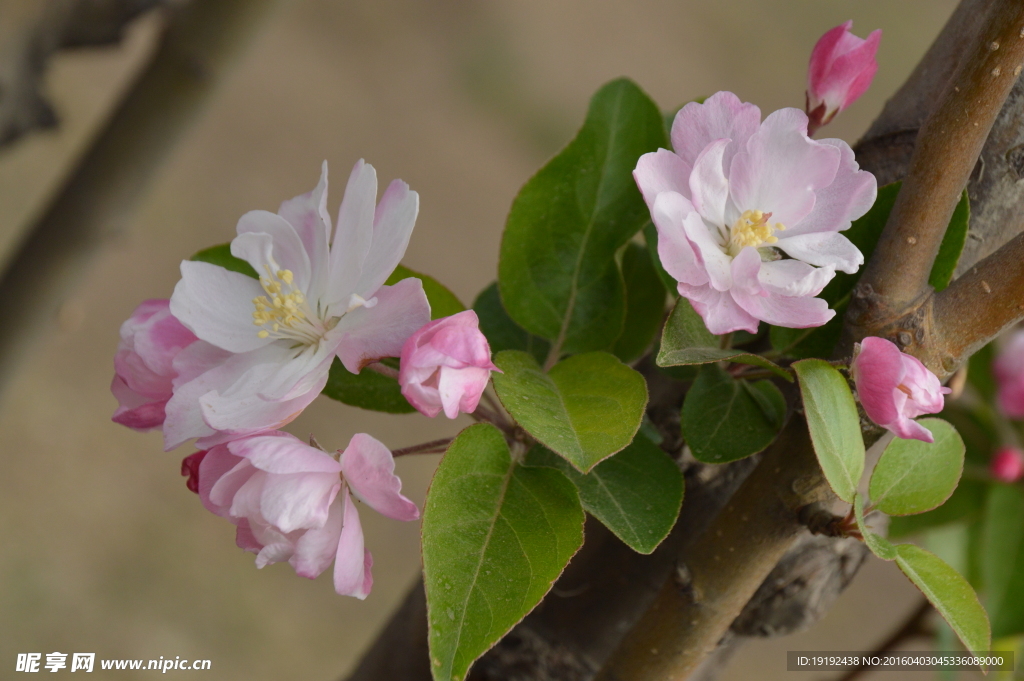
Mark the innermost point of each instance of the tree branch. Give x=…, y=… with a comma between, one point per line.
x=895, y=280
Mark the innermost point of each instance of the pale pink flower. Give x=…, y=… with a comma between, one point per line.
x=143, y=366
x=738, y=194
x=1007, y=465
x=446, y=365
x=293, y=502
x=841, y=69
x=895, y=388
x=268, y=344
x=1009, y=372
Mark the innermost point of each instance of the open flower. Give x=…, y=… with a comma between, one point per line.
x=1007, y=465
x=1009, y=372
x=737, y=196
x=895, y=388
x=446, y=365
x=841, y=69
x=293, y=502
x=144, y=364
x=269, y=343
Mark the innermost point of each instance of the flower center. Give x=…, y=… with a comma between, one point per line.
x=752, y=229
x=284, y=313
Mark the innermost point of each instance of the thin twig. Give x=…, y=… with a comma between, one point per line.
x=382, y=369
x=431, y=447
x=912, y=627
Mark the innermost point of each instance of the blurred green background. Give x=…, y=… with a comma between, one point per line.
x=102, y=549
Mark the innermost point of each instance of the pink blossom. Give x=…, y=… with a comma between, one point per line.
x=293, y=502
x=1009, y=373
x=1007, y=465
x=269, y=344
x=446, y=365
x=841, y=69
x=895, y=388
x=143, y=366
x=736, y=195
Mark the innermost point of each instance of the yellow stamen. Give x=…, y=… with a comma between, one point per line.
x=753, y=229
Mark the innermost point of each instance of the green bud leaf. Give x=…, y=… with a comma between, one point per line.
x=914, y=476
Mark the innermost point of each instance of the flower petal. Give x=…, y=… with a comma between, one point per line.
x=877, y=369
x=788, y=311
x=720, y=312
x=708, y=184
x=393, y=222
x=307, y=214
x=674, y=250
x=661, y=171
x=781, y=168
x=216, y=305
x=354, y=234
x=850, y=195
x=269, y=243
x=351, y=564
x=461, y=389
x=283, y=454
x=823, y=249
x=316, y=548
x=794, y=278
x=369, y=334
x=722, y=115
x=716, y=263
x=214, y=466
x=369, y=469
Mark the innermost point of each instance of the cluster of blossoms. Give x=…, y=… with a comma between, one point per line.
x=229, y=360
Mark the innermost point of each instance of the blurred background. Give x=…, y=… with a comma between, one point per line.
x=102, y=548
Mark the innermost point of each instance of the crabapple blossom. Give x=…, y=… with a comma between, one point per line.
x=269, y=343
x=446, y=365
x=737, y=195
x=144, y=371
x=190, y=469
x=1007, y=465
x=291, y=501
x=841, y=70
x=1009, y=372
x=895, y=388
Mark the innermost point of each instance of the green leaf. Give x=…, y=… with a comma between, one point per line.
x=496, y=535
x=503, y=333
x=557, y=270
x=952, y=245
x=965, y=504
x=443, y=302
x=686, y=341
x=913, y=476
x=367, y=389
x=1002, y=559
x=834, y=424
x=585, y=409
x=221, y=255
x=651, y=237
x=636, y=493
x=722, y=419
x=879, y=545
x=645, y=303
x=950, y=593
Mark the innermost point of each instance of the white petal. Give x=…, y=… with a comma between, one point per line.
x=849, y=196
x=269, y=243
x=392, y=227
x=354, y=233
x=674, y=249
x=823, y=249
x=794, y=278
x=708, y=184
x=216, y=305
x=368, y=334
x=307, y=214
x=715, y=261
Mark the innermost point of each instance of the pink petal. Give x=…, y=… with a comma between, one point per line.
x=824, y=53
x=316, y=548
x=134, y=410
x=823, y=249
x=781, y=169
x=393, y=222
x=876, y=370
x=909, y=430
x=354, y=234
x=716, y=263
x=369, y=334
x=283, y=453
x=674, y=250
x=850, y=195
x=253, y=414
x=216, y=305
x=721, y=116
x=791, y=312
x=269, y=243
x=461, y=389
x=214, y=466
x=708, y=184
x=720, y=312
x=307, y=214
x=245, y=539
x=298, y=501
x=369, y=470
x=794, y=278
x=351, y=566
x=661, y=171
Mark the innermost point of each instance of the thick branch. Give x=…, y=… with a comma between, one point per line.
x=720, y=572
x=947, y=150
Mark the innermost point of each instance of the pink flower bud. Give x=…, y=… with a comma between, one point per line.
x=1007, y=465
x=841, y=69
x=446, y=365
x=143, y=366
x=895, y=388
x=1009, y=372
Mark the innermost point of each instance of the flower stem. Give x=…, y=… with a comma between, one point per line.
x=383, y=369
x=432, y=447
